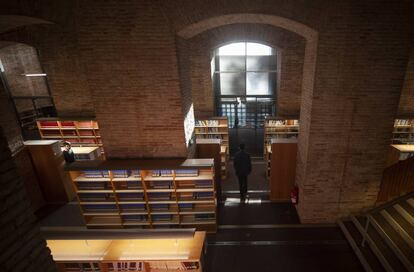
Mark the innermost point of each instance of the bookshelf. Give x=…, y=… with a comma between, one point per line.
x=148, y=193
x=147, y=255
x=278, y=128
x=77, y=131
x=399, y=153
x=403, y=132
x=216, y=128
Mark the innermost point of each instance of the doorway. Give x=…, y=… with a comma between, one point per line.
x=246, y=121
x=245, y=81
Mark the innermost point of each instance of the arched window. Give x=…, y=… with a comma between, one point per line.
x=244, y=80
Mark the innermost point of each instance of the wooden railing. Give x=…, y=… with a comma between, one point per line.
x=397, y=180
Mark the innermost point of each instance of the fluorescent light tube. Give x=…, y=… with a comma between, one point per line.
x=35, y=75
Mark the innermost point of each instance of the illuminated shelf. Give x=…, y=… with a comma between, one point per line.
x=216, y=128
x=277, y=128
x=124, y=199
x=403, y=132
x=78, y=131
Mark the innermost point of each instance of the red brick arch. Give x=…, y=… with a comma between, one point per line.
x=10, y=22
x=309, y=67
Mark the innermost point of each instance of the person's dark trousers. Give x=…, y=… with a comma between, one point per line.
x=243, y=186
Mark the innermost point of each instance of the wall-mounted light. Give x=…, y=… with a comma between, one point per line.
x=35, y=75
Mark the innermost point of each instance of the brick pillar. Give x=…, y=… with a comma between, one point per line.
x=130, y=59
x=406, y=107
x=346, y=122
x=22, y=248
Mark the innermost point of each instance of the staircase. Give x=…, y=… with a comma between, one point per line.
x=383, y=238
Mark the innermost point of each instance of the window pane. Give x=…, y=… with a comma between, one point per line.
x=261, y=63
x=232, y=63
x=257, y=49
x=233, y=49
x=232, y=84
x=260, y=83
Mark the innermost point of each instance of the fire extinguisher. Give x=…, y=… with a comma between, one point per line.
x=294, y=195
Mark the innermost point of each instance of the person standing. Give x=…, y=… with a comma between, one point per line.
x=68, y=153
x=243, y=166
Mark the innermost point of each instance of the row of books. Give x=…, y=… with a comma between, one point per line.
x=115, y=173
x=81, y=267
x=136, y=173
x=125, y=266
x=134, y=185
x=173, y=265
x=211, y=136
x=178, y=173
x=206, y=129
x=207, y=123
x=274, y=123
x=109, y=197
x=403, y=122
x=132, y=266
x=137, y=207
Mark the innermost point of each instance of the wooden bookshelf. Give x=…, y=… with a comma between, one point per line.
x=278, y=128
x=147, y=255
x=77, y=131
x=403, y=132
x=282, y=168
x=216, y=128
x=399, y=153
x=146, y=193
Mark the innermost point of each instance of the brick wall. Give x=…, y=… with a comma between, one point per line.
x=406, y=106
x=133, y=77
x=126, y=57
x=8, y=120
x=58, y=53
x=22, y=246
x=348, y=100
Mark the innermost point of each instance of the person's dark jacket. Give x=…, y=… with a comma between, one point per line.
x=69, y=156
x=242, y=163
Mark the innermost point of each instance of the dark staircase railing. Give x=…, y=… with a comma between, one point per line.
x=383, y=238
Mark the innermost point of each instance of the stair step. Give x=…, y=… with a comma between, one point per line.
x=410, y=201
x=407, y=207
x=388, y=253
x=399, y=224
x=381, y=250
x=366, y=251
x=404, y=213
x=394, y=240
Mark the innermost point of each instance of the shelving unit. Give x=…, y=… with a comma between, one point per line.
x=48, y=163
x=399, y=153
x=403, y=132
x=216, y=128
x=79, y=132
x=146, y=193
x=148, y=255
x=282, y=168
x=278, y=128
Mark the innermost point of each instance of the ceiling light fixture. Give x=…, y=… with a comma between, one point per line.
x=35, y=75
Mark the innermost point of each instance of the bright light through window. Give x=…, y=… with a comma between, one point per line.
x=233, y=49
x=257, y=49
x=243, y=49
